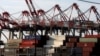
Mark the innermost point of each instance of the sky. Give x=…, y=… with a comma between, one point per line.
x=14, y=6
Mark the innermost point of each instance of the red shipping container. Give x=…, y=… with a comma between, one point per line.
x=86, y=54
x=29, y=42
x=98, y=35
x=87, y=49
x=92, y=36
x=72, y=39
x=26, y=46
x=86, y=44
x=69, y=44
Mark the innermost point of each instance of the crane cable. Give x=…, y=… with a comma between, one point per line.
x=89, y=2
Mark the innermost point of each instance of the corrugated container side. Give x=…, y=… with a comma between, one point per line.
x=88, y=39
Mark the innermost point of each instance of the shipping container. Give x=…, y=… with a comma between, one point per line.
x=56, y=54
x=40, y=51
x=86, y=44
x=88, y=39
x=54, y=42
x=14, y=41
x=29, y=42
x=72, y=39
x=80, y=54
x=30, y=37
x=63, y=49
x=65, y=54
x=1, y=51
x=58, y=37
x=27, y=46
x=87, y=49
x=22, y=52
x=92, y=36
x=9, y=52
x=69, y=44
x=86, y=54
x=50, y=50
x=11, y=45
x=77, y=50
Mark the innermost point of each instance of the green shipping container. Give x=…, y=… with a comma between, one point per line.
x=88, y=40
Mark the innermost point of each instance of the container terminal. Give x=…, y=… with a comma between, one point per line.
x=56, y=32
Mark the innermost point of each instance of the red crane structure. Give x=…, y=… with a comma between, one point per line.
x=54, y=27
x=53, y=21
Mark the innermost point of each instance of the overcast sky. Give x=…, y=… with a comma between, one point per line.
x=14, y=6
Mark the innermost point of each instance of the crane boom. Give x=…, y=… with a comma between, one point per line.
x=32, y=9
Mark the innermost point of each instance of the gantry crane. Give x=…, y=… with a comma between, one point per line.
x=94, y=19
x=67, y=21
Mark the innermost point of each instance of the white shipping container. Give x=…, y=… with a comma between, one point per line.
x=58, y=37
x=49, y=49
x=54, y=42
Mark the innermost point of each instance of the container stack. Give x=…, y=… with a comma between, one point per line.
x=1, y=51
x=11, y=46
x=13, y=43
x=80, y=46
x=54, y=41
x=96, y=49
x=38, y=51
x=71, y=43
x=28, y=43
x=87, y=45
x=62, y=51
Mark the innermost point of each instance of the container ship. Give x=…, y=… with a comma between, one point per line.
x=61, y=33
